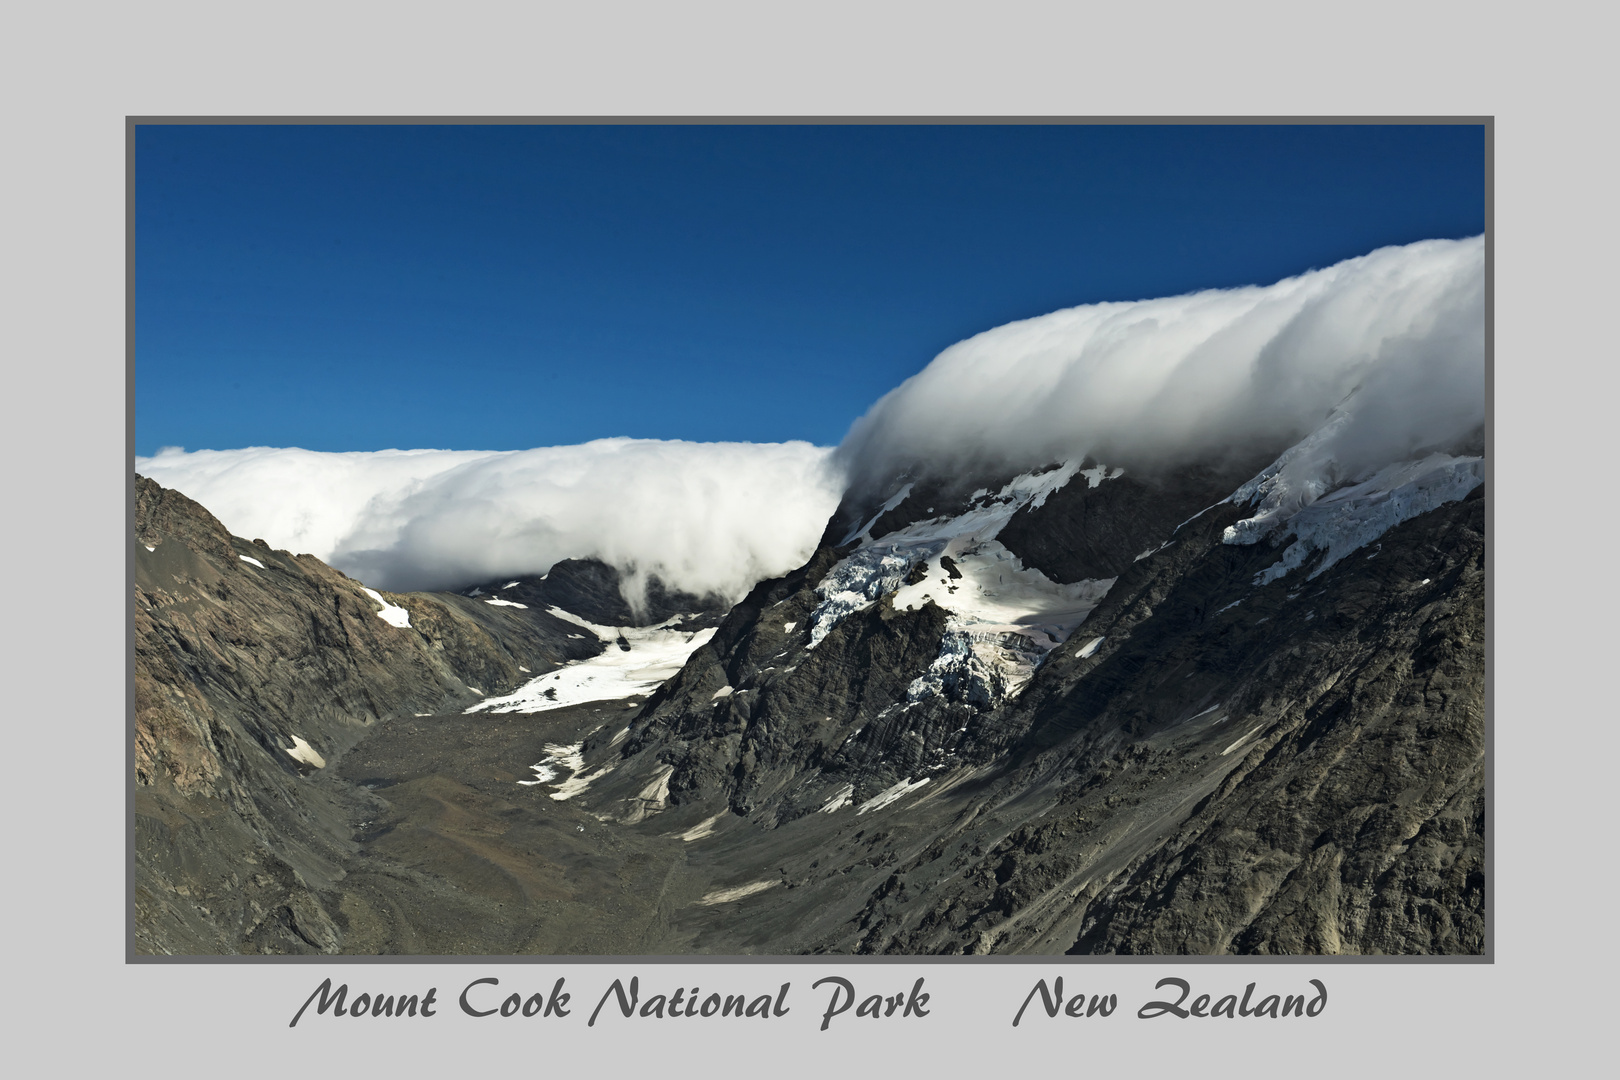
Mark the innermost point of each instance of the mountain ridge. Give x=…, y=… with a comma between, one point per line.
x=1205, y=761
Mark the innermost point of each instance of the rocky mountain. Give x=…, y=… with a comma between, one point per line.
x=255, y=668
x=1087, y=708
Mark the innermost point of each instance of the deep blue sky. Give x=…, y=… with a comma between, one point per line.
x=359, y=288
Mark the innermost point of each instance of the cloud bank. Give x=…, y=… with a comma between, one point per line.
x=1380, y=356
x=704, y=517
x=1394, y=339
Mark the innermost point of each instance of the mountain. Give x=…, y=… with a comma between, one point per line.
x=1089, y=707
x=1081, y=714
x=254, y=670
x=1150, y=627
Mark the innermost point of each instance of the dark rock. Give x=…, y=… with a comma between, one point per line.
x=235, y=664
x=1290, y=768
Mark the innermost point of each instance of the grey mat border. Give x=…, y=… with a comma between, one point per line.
x=1487, y=122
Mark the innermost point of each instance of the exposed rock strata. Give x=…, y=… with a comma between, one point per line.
x=1289, y=768
x=1207, y=765
x=236, y=664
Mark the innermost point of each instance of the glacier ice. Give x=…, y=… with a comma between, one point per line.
x=1003, y=618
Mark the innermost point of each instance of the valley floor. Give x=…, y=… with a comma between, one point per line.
x=456, y=856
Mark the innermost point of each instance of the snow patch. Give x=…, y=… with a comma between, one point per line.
x=651, y=799
x=656, y=653
x=1003, y=622
x=1241, y=741
x=889, y=795
x=505, y=603
x=721, y=896
x=702, y=828
x=543, y=774
x=1097, y=475
x=390, y=614
x=841, y=798
x=244, y=558
x=1356, y=514
x=302, y=751
x=1089, y=648
x=572, y=758
x=1003, y=619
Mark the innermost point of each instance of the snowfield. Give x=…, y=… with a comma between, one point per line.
x=1301, y=495
x=655, y=654
x=1004, y=618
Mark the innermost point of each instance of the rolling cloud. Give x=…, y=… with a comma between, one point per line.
x=705, y=517
x=1395, y=338
x=1390, y=345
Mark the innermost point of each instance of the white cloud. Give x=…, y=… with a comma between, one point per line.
x=1399, y=332
x=706, y=517
x=1393, y=341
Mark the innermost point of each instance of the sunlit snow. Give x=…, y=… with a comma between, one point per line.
x=302, y=751
x=505, y=603
x=656, y=653
x=1003, y=618
x=571, y=758
x=889, y=795
x=543, y=774
x=702, y=828
x=722, y=896
x=1241, y=741
x=840, y=799
x=390, y=613
x=244, y=558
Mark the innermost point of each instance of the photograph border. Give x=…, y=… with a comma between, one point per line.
x=132, y=123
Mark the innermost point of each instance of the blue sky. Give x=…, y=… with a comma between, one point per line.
x=507, y=287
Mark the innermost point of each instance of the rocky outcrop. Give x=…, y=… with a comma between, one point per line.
x=252, y=668
x=1205, y=749
x=1301, y=773
x=1209, y=764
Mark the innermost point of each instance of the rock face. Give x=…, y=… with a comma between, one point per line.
x=1059, y=712
x=253, y=668
x=1208, y=764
